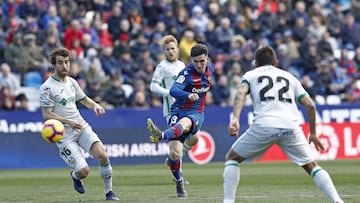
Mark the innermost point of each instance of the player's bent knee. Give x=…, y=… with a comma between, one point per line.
x=83, y=173
x=174, y=154
x=308, y=167
x=232, y=155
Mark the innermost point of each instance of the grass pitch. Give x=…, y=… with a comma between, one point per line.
x=260, y=182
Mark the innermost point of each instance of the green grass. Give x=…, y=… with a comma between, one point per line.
x=260, y=182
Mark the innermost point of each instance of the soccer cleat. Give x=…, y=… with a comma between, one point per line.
x=111, y=196
x=78, y=185
x=155, y=132
x=180, y=188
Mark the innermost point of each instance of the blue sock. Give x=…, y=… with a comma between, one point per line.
x=173, y=132
x=175, y=166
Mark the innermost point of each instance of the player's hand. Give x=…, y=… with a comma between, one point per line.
x=75, y=125
x=234, y=127
x=99, y=110
x=193, y=96
x=318, y=145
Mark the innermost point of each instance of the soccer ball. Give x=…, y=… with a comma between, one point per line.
x=52, y=131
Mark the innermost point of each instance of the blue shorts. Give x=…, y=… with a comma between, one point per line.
x=197, y=119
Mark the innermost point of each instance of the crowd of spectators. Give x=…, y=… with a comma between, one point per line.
x=115, y=44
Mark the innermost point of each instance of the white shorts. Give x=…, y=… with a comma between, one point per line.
x=254, y=142
x=73, y=145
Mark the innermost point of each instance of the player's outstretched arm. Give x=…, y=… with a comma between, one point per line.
x=239, y=100
x=309, y=105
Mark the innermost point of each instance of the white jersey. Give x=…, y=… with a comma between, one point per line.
x=165, y=74
x=274, y=93
x=62, y=97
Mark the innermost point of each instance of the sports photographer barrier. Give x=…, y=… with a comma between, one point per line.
x=125, y=136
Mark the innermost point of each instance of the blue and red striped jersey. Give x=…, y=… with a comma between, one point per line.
x=190, y=81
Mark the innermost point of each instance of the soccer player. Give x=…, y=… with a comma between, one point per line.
x=187, y=113
x=164, y=77
x=58, y=96
x=273, y=92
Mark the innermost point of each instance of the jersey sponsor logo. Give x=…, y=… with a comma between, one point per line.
x=204, y=150
x=180, y=79
x=200, y=90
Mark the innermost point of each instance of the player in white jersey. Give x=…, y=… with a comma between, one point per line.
x=273, y=92
x=164, y=77
x=58, y=97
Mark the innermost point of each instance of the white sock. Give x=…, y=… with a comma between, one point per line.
x=325, y=184
x=106, y=175
x=186, y=149
x=74, y=175
x=231, y=178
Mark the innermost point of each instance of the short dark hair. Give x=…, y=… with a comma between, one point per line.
x=58, y=52
x=265, y=56
x=198, y=50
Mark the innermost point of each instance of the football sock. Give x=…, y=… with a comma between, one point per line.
x=324, y=182
x=73, y=174
x=231, y=178
x=173, y=132
x=175, y=167
x=186, y=149
x=106, y=175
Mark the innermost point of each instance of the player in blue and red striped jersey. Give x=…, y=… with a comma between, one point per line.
x=187, y=113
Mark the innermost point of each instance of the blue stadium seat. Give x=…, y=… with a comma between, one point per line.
x=33, y=79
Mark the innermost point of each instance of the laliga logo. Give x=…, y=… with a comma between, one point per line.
x=330, y=141
x=204, y=150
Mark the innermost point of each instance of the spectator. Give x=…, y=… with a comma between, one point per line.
x=115, y=96
x=108, y=62
x=93, y=60
x=324, y=46
x=315, y=28
x=128, y=67
x=121, y=46
x=140, y=97
x=37, y=58
x=224, y=34
x=268, y=19
x=115, y=17
x=88, y=29
x=104, y=36
x=350, y=32
x=300, y=31
x=357, y=58
x=155, y=46
x=221, y=91
x=29, y=8
x=283, y=57
x=72, y=33
x=51, y=17
x=22, y=102
x=339, y=79
x=336, y=19
x=9, y=79
x=308, y=85
x=199, y=18
x=311, y=61
x=7, y=100
x=323, y=79
x=185, y=45
x=40, y=35
x=16, y=57
x=300, y=11
x=346, y=62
